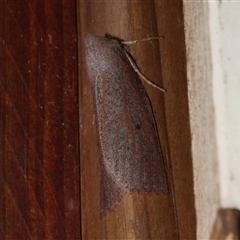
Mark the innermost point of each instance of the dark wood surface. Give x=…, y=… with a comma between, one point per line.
x=39, y=163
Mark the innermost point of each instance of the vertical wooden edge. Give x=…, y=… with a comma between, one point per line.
x=175, y=79
x=79, y=61
x=202, y=117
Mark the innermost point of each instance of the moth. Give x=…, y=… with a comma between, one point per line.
x=131, y=158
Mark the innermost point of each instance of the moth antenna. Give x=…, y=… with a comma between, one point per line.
x=136, y=69
x=130, y=42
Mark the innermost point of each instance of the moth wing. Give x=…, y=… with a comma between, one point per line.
x=131, y=152
x=110, y=193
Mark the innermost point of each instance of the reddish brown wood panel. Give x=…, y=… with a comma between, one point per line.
x=39, y=164
x=141, y=216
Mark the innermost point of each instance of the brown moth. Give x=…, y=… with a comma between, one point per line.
x=131, y=157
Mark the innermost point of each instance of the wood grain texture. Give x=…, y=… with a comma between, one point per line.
x=140, y=216
x=39, y=165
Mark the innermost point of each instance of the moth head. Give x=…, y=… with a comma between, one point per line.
x=102, y=53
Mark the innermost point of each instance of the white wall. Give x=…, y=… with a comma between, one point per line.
x=224, y=22
x=212, y=31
